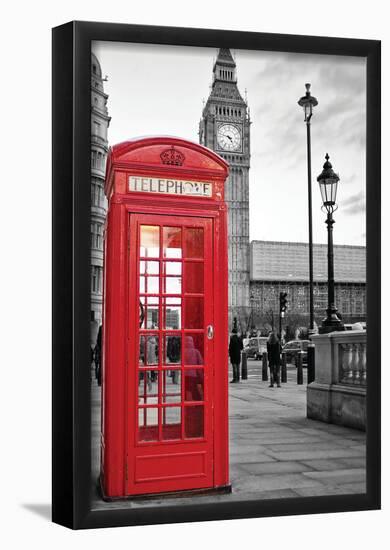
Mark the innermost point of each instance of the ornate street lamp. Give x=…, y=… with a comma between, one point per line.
x=328, y=181
x=308, y=102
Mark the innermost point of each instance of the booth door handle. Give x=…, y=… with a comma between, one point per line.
x=210, y=332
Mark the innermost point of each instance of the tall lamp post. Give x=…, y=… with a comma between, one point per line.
x=328, y=181
x=308, y=102
x=252, y=325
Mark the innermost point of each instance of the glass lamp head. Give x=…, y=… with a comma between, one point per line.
x=328, y=181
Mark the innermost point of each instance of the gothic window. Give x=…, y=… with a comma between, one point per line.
x=100, y=161
x=96, y=276
x=93, y=194
x=94, y=282
x=98, y=238
x=94, y=69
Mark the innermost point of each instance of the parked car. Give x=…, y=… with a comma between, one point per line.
x=361, y=325
x=255, y=347
x=293, y=347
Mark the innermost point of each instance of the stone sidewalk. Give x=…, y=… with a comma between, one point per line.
x=275, y=451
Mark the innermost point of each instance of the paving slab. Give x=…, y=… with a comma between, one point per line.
x=299, y=444
x=274, y=467
x=337, y=476
x=353, y=462
x=272, y=482
x=308, y=454
x=324, y=490
x=323, y=465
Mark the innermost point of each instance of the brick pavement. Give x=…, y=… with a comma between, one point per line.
x=275, y=451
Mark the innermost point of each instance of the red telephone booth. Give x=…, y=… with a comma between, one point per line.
x=164, y=385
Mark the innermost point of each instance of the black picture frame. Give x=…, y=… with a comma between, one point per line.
x=71, y=432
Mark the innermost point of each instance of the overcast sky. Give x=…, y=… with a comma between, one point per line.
x=159, y=90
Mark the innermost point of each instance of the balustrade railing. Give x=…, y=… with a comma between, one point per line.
x=352, y=363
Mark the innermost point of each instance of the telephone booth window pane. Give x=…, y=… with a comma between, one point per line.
x=172, y=355
x=148, y=424
x=194, y=421
x=149, y=268
x=193, y=349
x=171, y=390
x=142, y=351
x=173, y=285
x=172, y=242
x=193, y=312
x=148, y=285
x=150, y=241
x=148, y=354
x=172, y=313
x=149, y=312
x=171, y=423
x=148, y=387
x=152, y=317
x=193, y=385
x=194, y=277
x=173, y=317
x=194, y=242
x=172, y=268
x=173, y=300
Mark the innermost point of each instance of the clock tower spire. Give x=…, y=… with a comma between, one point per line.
x=225, y=128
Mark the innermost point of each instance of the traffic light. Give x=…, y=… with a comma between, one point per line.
x=282, y=303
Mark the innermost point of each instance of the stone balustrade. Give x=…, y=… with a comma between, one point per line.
x=338, y=393
x=352, y=363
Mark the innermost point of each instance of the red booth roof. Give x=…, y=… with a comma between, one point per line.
x=155, y=152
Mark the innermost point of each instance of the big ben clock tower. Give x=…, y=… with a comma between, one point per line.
x=224, y=128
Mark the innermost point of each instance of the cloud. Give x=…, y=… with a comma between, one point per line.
x=351, y=179
x=355, y=204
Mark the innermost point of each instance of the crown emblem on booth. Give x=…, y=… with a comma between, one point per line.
x=172, y=156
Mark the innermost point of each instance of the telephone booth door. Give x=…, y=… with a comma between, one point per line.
x=170, y=354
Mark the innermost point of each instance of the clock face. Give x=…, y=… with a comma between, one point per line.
x=229, y=137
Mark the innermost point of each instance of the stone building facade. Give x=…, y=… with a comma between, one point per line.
x=99, y=147
x=225, y=128
x=283, y=267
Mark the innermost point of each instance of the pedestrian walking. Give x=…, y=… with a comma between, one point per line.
x=98, y=357
x=273, y=351
x=235, y=347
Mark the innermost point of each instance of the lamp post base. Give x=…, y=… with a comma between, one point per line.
x=331, y=323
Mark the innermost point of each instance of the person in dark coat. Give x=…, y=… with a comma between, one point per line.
x=235, y=347
x=273, y=351
x=98, y=357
